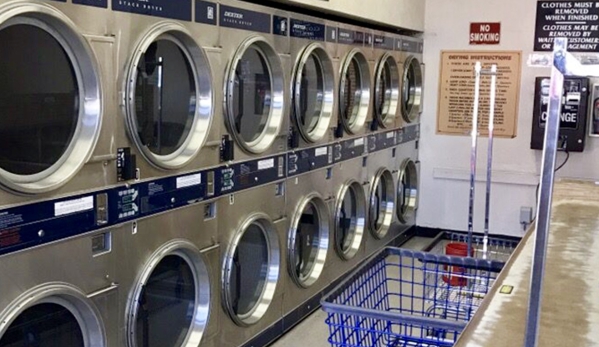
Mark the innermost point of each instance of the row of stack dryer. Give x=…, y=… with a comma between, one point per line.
x=189, y=173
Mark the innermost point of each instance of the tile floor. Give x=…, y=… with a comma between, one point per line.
x=313, y=331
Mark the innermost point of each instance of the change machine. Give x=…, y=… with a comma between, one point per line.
x=573, y=120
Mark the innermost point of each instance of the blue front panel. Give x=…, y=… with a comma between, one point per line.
x=351, y=37
x=381, y=141
x=346, y=36
x=242, y=176
x=174, y=9
x=411, y=46
x=307, y=30
x=165, y=194
x=359, y=38
x=238, y=18
x=206, y=12
x=280, y=25
x=368, y=40
x=43, y=222
x=332, y=34
x=410, y=133
x=383, y=42
x=398, y=44
x=95, y=3
x=39, y=223
x=350, y=149
x=305, y=160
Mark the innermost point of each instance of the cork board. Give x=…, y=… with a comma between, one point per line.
x=456, y=92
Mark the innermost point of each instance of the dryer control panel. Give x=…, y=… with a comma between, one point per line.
x=573, y=118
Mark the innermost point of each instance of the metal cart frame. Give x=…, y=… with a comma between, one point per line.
x=400, y=297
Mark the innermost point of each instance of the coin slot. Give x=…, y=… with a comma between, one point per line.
x=102, y=209
x=101, y=244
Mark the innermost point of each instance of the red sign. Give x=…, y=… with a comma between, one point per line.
x=485, y=33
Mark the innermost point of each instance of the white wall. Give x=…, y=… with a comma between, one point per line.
x=445, y=159
x=407, y=14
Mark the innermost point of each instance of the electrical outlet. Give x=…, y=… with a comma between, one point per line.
x=526, y=216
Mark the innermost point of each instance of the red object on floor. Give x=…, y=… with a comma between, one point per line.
x=456, y=275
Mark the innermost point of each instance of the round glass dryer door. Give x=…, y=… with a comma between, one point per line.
x=170, y=98
x=349, y=220
x=308, y=241
x=386, y=93
x=49, y=100
x=171, y=300
x=411, y=89
x=313, y=93
x=251, y=271
x=354, y=95
x=52, y=315
x=407, y=191
x=382, y=205
x=254, y=96
x=44, y=325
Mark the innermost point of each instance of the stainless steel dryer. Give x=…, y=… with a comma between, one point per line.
x=256, y=96
x=349, y=218
x=310, y=198
x=410, y=55
x=62, y=294
x=168, y=275
x=313, y=88
x=167, y=89
x=355, y=84
x=57, y=110
x=387, y=77
x=382, y=173
x=252, y=233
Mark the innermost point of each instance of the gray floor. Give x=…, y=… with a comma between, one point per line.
x=313, y=331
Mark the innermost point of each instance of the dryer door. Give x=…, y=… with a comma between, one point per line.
x=254, y=96
x=170, y=304
x=49, y=100
x=308, y=241
x=44, y=324
x=381, y=205
x=386, y=92
x=52, y=315
x=251, y=271
x=350, y=217
x=407, y=191
x=411, y=90
x=169, y=109
x=354, y=95
x=313, y=93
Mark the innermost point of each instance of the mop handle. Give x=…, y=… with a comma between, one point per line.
x=477, y=70
x=493, y=74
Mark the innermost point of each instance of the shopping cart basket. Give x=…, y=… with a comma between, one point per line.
x=498, y=248
x=390, y=299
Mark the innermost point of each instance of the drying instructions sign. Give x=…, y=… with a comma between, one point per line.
x=456, y=92
x=578, y=21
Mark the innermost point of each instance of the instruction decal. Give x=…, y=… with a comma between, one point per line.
x=456, y=92
x=173, y=9
x=578, y=21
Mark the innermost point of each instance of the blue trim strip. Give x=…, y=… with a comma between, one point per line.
x=42, y=222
